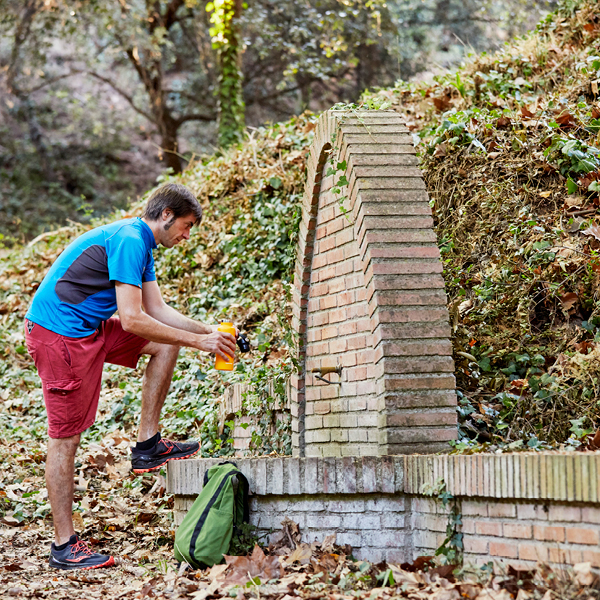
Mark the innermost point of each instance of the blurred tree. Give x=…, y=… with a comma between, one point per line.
x=152, y=35
x=32, y=28
x=226, y=40
x=185, y=65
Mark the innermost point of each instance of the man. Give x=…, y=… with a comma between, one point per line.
x=70, y=334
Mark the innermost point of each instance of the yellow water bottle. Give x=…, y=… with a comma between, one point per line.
x=220, y=364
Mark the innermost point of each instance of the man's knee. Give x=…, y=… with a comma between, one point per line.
x=65, y=446
x=169, y=352
x=165, y=351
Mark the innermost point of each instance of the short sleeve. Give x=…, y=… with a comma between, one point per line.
x=149, y=273
x=129, y=260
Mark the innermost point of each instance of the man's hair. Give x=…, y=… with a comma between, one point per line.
x=175, y=197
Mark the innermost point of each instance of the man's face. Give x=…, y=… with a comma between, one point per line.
x=175, y=230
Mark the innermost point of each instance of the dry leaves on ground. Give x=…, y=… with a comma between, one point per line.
x=287, y=570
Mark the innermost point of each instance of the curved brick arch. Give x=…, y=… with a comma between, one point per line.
x=369, y=296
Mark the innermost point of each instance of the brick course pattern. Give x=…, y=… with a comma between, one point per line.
x=377, y=505
x=232, y=409
x=369, y=297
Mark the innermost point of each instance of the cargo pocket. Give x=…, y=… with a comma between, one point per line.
x=63, y=406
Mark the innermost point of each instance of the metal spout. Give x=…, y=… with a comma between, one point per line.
x=326, y=370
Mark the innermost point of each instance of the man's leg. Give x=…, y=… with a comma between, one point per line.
x=151, y=452
x=60, y=472
x=67, y=551
x=155, y=387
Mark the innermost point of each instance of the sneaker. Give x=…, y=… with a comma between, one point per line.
x=162, y=452
x=77, y=555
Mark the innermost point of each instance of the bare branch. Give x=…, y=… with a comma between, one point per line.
x=194, y=117
x=123, y=93
x=276, y=94
x=53, y=80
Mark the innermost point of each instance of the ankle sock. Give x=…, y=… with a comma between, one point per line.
x=148, y=444
x=63, y=546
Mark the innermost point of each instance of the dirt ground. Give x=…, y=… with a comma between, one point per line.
x=130, y=517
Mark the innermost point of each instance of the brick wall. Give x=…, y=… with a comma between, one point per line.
x=369, y=297
x=377, y=505
x=232, y=409
x=517, y=533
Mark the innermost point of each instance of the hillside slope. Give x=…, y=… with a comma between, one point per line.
x=509, y=146
x=236, y=266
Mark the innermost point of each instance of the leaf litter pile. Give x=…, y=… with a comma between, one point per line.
x=286, y=570
x=510, y=149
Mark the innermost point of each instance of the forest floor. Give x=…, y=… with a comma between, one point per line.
x=130, y=517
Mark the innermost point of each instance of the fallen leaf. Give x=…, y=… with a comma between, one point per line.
x=518, y=386
x=204, y=592
x=440, y=150
x=217, y=570
x=503, y=122
x=469, y=590
x=491, y=594
x=569, y=300
x=585, y=347
x=574, y=202
x=583, y=573
x=328, y=543
x=525, y=112
x=566, y=119
x=302, y=554
x=442, y=104
x=594, y=443
x=593, y=230
x=451, y=594
x=78, y=521
x=244, y=568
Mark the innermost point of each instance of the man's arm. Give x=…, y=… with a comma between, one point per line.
x=156, y=307
x=147, y=326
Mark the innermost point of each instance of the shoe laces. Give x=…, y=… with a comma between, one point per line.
x=168, y=444
x=80, y=547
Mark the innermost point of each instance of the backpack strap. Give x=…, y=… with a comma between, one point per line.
x=245, y=493
x=206, y=477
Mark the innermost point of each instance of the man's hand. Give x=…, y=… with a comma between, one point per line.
x=216, y=328
x=218, y=342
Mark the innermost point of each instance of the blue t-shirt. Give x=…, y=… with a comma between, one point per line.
x=78, y=292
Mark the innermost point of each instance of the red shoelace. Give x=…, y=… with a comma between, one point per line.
x=168, y=446
x=80, y=548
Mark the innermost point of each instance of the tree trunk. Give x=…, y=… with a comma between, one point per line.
x=168, y=135
x=231, y=119
x=152, y=78
x=26, y=105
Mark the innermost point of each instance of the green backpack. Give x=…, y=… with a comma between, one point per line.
x=217, y=514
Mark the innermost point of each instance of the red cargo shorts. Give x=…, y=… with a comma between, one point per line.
x=71, y=370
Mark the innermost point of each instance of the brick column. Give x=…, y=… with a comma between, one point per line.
x=369, y=296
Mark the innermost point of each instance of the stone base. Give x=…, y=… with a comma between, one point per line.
x=373, y=524
x=516, y=508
